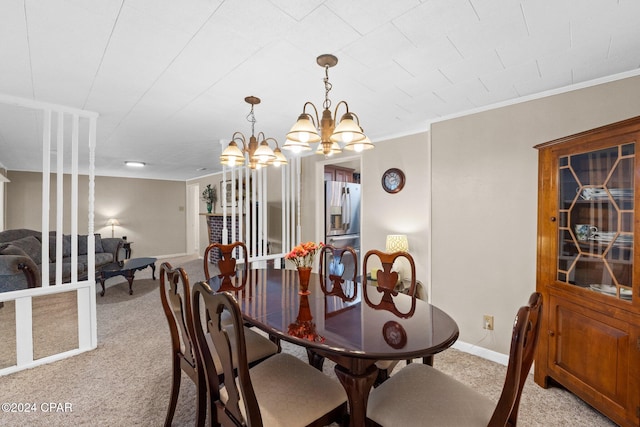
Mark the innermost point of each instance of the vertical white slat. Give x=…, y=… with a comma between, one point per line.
x=283, y=209
x=224, y=202
x=83, y=299
x=24, y=331
x=263, y=209
x=234, y=210
x=60, y=198
x=75, y=129
x=46, y=183
x=254, y=214
x=91, y=241
x=298, y=199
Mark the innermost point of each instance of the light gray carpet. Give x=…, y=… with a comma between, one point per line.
x=126, y=380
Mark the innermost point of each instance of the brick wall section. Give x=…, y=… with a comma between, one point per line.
x=215, y=233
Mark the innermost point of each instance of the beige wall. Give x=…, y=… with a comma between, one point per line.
x=151, y=212
x=484, y=201
x=382, y=213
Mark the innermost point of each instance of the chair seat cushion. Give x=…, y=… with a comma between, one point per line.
x=291, y=392
x=258, y=347
x=442, y=401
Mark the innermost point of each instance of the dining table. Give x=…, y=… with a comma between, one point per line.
x=349, y=328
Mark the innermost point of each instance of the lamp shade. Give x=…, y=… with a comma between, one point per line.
x=328, y=148
x=397, y=243
x=347, y=131
x=359, y=146
x=280, y=159
x=113, y=221
x=232, y=155
x=303, y=131
x=264, y=153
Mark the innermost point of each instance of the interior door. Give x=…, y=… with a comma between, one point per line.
x=193, y=223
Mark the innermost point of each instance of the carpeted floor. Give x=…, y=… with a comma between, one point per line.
x=126, y=380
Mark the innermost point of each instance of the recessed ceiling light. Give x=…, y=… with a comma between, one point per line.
x=134, y=164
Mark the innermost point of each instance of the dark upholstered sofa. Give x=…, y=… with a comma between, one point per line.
x=21, y=257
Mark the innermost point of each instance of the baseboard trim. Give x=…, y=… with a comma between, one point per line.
x=494, y=356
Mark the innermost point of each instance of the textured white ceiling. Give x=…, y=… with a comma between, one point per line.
x=169, y=77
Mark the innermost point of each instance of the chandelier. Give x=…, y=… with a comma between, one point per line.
x=328, y=132
x=259, y=153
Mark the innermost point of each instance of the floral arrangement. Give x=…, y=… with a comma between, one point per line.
x=210, y=195
x=303, y=254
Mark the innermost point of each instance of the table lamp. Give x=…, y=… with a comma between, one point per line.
x=398, y=243
x=113, y=222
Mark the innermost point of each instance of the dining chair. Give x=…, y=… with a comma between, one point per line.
x=421, y=392
x=387, y=281
x=281, y=391
x=227, y=270
x=334, y=263
x=176, y=302
x=227, y=264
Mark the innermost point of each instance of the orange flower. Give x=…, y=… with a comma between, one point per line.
x=303, y=254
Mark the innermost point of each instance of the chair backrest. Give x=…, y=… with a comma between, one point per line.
x=227, y=265
x=333, y=265
x=215, y=307
x=387, y=280
x=523, y=343
x=176, y=302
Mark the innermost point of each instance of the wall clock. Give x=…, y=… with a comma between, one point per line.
x=393, y=180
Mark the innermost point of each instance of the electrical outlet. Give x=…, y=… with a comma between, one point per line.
x=487, y=322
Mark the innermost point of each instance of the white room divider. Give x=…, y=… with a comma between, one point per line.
x=247, y=213
x=54, y=119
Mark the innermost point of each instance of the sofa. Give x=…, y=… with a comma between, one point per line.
x=21, y=257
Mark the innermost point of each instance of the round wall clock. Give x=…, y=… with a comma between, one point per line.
x=393, y=180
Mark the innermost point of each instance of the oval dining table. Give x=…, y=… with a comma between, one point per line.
x=354, y=332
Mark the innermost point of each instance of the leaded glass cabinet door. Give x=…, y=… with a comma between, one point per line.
x=596, y=217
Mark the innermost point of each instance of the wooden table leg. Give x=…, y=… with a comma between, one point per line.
x=101, y=279
x=130, y=280
x=357, y=388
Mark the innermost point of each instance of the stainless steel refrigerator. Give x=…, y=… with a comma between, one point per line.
x=342, y=214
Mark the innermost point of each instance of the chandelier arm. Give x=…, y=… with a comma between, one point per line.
x=239, y=137
x=272, y=139
x=337, y=118
x=315, y=110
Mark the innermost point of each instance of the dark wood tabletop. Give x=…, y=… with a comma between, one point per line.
x=353, y=334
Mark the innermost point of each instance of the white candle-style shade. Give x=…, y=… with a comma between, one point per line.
x=397, y=243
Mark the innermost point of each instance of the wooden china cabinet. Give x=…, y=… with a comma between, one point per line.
x=588, y=268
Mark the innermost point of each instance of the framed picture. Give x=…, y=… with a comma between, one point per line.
x=225, y=193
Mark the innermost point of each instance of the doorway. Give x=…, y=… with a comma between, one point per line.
x=193, y=219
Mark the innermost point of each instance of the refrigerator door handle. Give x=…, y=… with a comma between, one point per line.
x=347, y=202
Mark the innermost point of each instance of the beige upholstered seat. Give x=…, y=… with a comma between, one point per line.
x=420, y=392
x=281, y=391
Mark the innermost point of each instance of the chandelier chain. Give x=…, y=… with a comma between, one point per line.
x=327, y=88
x=251, y=117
